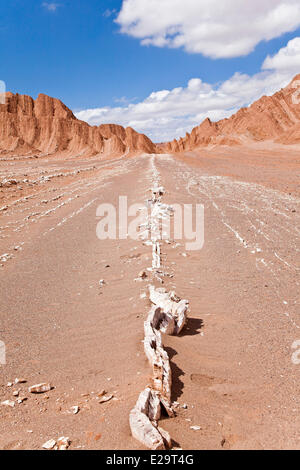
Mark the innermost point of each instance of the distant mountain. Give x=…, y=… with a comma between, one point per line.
x=45, y=126
x=275, y=118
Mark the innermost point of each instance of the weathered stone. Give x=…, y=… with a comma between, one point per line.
x=195, y=428
x=63, y=443
x=20, y=400
x=9, y=403
x=172, y=305
x=167, y=316
x=49, y=445
x=40, y=388
x=20, y=381
x=166, y=437
x=105, y=399
x=143, y=430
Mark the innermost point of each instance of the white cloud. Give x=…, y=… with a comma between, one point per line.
x=287, y=58
x=167, y=114
x=50, y=6
x=214, y=28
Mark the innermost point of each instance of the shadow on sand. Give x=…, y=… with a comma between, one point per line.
x=192, y=328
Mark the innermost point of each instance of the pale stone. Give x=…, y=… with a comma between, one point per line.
x=49, y=445
x=63, y=443
x=105, y=399
x=40, y=388
x=20, y=400
x=75, y=410
x=20, y=381
x=9, y=403
x=143, y=430
x=166, y=437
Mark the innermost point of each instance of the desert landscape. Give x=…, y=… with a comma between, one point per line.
x=135, y=344
x=149, y=228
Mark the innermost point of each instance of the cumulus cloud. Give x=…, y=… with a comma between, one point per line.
x=167, y=114
x=287, y=58
x=50, y=6
x=214, y=28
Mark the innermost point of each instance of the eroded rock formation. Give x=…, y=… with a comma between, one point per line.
x=167, y=316
x=45, y=126
x=275, y=118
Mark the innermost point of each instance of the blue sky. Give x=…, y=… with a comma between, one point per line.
x=75, y=51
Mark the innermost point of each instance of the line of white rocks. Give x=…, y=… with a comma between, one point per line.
x=167, y=316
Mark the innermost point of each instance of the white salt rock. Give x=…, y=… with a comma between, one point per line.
x=20, y=381
x=9, y=403
x=75, y=410
x=49, y=444
x=40, y=388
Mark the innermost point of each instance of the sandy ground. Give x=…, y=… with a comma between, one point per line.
x=231, y=365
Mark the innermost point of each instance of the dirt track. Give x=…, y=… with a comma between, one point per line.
x=231, y=365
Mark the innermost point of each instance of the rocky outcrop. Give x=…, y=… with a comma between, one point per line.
x=46, y=126
x=275, y=118
x=167, y=316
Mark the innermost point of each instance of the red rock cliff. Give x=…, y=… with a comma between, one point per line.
x=47, y=126
x=275, y=118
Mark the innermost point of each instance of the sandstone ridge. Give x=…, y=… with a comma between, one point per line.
x=46, y=126
x=272, y=118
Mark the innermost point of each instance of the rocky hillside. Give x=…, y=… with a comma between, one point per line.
x=275, y=118
x=45, y=126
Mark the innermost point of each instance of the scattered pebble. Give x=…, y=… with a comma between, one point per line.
x=195, y=428
x=20, y=381
x=40, y=388
x=63, y=443
x=105, y=399
x=20, y=400
x=49, y=445
x=8, y=403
